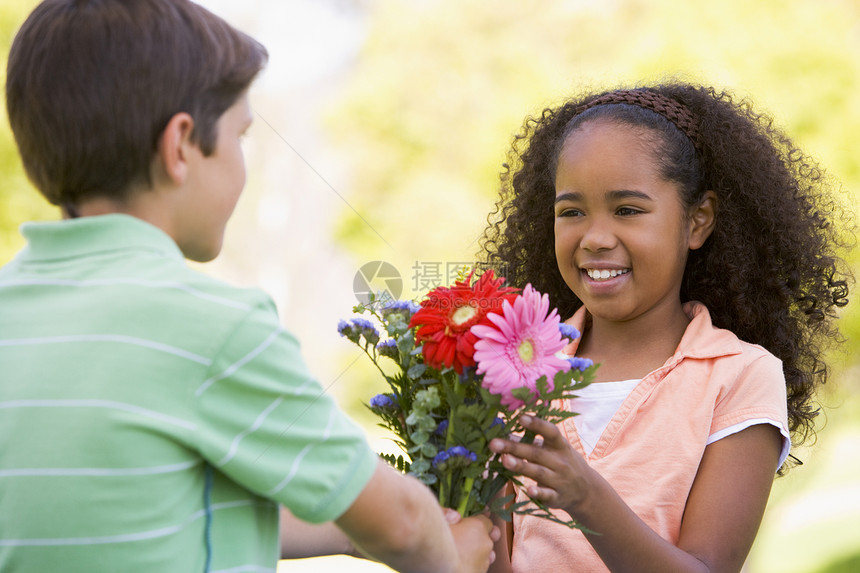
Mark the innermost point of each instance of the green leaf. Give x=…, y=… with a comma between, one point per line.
x=420, y=466
x=523, y=393
x=427, y=424
x=416, y=371
x=405, y=344
x=419, y=436
x=428, y=450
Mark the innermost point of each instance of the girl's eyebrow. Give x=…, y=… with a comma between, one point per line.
x=612, y=196
x=568, y=197
x=628, y=194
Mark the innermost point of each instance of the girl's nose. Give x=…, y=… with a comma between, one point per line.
x=598, y=237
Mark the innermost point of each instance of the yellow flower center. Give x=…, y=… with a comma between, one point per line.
x=463, y=314
x=526, y=350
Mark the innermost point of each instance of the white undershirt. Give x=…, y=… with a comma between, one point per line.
x=597, y=403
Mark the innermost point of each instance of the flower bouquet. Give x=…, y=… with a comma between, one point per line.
x=463, y=367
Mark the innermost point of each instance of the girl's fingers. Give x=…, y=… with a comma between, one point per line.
x=535, y=453
x=551, y=436
x=537, y=472
x=530, y=452
x=544, y=494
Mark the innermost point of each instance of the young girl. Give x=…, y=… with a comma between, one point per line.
x=694, y=246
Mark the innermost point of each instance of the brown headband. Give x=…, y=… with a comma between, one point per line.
x=672, y=110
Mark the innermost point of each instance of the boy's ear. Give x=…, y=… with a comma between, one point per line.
x=174, y=146
x=702, y=220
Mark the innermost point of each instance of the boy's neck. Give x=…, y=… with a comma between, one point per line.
x=146, y=205
x=134, y=201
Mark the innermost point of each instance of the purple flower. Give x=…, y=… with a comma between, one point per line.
x=348, y=331
x=344, y=328
x=388, y=347
x=454, y=457
x=568, y=331
x=363, y=324
x=578, y=363
x=441, y=428
x=401, y=305
x=383, y=402
x=357, y=328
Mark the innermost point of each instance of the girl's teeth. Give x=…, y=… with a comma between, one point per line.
x=605, y=274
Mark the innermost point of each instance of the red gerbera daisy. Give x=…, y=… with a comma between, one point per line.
x=448, y=314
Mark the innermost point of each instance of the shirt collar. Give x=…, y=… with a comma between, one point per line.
x=701, y=339
x=69, y=238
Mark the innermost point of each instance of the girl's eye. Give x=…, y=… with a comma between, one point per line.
x=627, y=211
x=569, y=212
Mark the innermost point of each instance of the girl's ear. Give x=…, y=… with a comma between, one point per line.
x=702, y=220
x=174, y=146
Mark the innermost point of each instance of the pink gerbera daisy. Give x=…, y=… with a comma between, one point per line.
x=520, y=347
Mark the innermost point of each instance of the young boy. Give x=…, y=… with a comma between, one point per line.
x=152, y=418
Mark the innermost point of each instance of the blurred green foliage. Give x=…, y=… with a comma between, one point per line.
x=442, y=86
x=19, y=201
x=849, y=565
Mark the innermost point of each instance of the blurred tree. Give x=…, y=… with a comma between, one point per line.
x=19, y=201
x=850, y=565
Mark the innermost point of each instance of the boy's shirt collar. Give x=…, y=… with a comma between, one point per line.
x=69, y=238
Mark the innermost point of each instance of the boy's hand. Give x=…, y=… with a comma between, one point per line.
x=562, y=475
x=452, y=516
x=475, y=538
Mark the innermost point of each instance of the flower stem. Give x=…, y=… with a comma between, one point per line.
x=467, y=490
x=445, y=486
x=449, y=433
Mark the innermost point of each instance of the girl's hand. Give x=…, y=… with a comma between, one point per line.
x=563, y=477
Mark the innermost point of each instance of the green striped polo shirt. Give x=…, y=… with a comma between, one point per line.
x=151, y=417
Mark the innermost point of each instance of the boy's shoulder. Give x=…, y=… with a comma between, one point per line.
x=208, y=287
x=164, y=273
x=125, y=259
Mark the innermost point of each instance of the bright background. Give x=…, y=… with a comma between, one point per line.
x=380, y=132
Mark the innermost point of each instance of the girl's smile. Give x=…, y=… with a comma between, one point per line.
x=603, y=280
x=597, y=274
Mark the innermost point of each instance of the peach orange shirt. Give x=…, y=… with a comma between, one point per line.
x=651, y=448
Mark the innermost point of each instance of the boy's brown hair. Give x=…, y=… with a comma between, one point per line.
x=91, y=84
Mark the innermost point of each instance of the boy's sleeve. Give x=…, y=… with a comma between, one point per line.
x=265, y=423
x=757, y=395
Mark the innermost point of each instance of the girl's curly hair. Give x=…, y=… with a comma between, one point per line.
x=770, y=272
